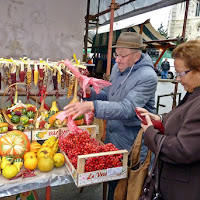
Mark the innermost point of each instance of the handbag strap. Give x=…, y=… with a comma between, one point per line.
x=155, y=165
x=157, y=154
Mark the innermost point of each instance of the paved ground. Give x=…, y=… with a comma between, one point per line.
x=71, y=192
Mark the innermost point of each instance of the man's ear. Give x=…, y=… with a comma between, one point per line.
x=137, y=56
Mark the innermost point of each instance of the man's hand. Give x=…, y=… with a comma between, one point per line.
x=80, y=108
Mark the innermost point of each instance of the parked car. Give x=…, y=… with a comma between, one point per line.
x=157, y=70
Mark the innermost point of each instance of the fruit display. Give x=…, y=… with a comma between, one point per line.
x=51, y=143
x=10, y=171
x=14, y=143
x=20, y=114
x=3, y=127
x=42, y=157
x=18, y=162
x=59, y=160
x=31, y=162
x=45, y=163
x=80, y=143
x=35, y=146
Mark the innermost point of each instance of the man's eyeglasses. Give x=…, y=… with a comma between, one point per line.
x=115, y=55
x=181, y=74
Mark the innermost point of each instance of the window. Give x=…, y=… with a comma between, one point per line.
x=197, y=9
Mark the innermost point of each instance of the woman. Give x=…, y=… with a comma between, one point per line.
x=179, y=177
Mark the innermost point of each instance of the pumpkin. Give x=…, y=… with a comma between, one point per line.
x=14, y=143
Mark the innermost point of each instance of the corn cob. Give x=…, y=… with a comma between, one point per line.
x=36, y=74
x=67, y=79
x=71, y=87
x=45, y=81
x=63, y=77
x=28, y=75
x=58, y=77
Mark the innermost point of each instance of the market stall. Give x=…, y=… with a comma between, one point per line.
x=36, y=141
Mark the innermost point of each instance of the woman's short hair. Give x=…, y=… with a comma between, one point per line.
x=189, y=52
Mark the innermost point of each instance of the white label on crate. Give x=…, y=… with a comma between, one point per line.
x=112, y=171
x=101, y=176
x=44, y=134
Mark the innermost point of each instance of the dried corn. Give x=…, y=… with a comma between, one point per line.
x=45, y=81
x=71, y=86
x=22, y=73
x=6, y=74
x=67, y=79
x=63, y=77
x=58, y=76
x=36, y=74
x=28, y=75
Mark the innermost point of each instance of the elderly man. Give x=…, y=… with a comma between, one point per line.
x=134, y=83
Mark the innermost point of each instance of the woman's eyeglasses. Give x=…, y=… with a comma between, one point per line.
x=181, y=74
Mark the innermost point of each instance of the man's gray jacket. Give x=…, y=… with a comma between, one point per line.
x=135, y=87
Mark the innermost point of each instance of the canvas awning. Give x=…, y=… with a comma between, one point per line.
x=99, y=9
x=151, y=37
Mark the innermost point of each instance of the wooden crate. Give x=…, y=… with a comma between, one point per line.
x=82, y=178
x=92, y=129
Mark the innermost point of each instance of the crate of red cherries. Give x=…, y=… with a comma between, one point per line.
x=89, y=161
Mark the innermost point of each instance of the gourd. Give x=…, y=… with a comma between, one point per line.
x=15, y=119
x=24, y=111
x=52, y=119
x=54, y=106
x=30, y=114
x=20, y=127
x=31, y=127
x=24, y=119
x=79, y=120
x=14, y=143
x=18, y=162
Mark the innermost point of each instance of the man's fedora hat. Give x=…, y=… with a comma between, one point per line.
x=130, y=40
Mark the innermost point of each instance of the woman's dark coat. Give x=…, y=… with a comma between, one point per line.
x=180, y=154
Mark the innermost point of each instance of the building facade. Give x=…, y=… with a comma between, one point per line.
x=176, y=19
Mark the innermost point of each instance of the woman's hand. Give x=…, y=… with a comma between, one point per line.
x=149, y=123
x=145, y=112
x=80, y=108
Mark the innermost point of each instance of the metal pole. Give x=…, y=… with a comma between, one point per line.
x=185, y=19
x=86, y=29
x=112, y=6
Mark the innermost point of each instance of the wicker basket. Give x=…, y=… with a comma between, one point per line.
x=4, y=109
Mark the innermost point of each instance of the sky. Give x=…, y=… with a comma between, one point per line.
x=156, y=18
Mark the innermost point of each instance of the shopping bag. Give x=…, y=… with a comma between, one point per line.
x=130, y=188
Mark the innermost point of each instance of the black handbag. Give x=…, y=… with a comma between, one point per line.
x=150, y=189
